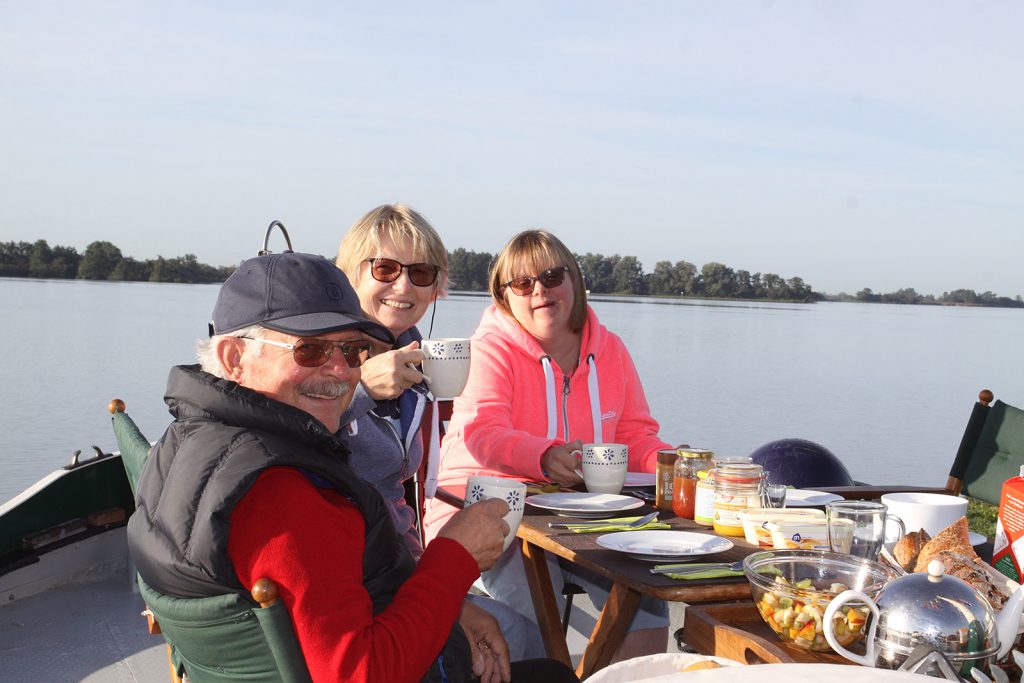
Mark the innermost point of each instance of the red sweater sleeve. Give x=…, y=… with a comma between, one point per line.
x=310, y=541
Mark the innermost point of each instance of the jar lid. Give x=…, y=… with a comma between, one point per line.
x=667, y=456
x=695, y=453
x=739, y=472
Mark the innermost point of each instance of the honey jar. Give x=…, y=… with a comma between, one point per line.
x=663, y=479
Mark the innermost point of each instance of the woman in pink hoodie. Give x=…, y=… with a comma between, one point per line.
x=546, y=378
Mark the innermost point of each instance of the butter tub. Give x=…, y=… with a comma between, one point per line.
x=799, y=534
x=755, y=522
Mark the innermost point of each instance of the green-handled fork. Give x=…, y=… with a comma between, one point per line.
x=690, y=568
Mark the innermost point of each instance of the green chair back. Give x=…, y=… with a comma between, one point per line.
x=133, y=445
x=219, y=639
x=998, y=454
x=228, y=638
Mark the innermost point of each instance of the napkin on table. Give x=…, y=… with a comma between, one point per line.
x=717, y=573
x=617, y=524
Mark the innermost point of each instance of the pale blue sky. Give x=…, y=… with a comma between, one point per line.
x=855, y=144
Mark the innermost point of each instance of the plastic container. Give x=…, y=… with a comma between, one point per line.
x=664, y=472
x=704, y=499
x=737, y=488
x=800, y=533
x=755, y=522
x=689, y=463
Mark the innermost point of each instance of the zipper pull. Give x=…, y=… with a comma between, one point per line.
x=565, y=407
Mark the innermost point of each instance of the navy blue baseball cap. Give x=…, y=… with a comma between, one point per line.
x=294, y=293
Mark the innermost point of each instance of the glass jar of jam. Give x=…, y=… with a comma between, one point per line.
x=663, y=479
x=737, y=487
x=689, y=462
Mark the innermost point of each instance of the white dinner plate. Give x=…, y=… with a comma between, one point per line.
x=797, y=498
x=661, y=545
x=636, y=479
x=644, y=667
x=584, y=504
x=976, y=538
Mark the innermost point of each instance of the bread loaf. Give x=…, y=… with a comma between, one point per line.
x=909, y=547
x=954, y=538
x=952, y=546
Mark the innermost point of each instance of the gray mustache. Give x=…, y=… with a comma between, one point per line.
x=321, y=387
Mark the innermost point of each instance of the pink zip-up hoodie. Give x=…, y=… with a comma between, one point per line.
x=517, y=403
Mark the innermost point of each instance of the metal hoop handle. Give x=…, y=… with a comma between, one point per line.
x=266, y=240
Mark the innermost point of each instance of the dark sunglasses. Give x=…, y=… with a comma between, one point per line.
x=550, y=278
x=312, y=353
x=389, y=270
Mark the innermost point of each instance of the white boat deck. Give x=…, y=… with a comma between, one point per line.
x=95, y=633
x=91, y=633
x=76, y=616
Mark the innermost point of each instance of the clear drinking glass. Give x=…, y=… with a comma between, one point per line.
x=858, y=527
x=775, y=495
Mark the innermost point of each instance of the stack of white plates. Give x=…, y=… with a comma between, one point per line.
x=639, y=480
x=588, y=505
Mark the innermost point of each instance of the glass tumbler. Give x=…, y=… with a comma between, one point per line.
x=858, y=527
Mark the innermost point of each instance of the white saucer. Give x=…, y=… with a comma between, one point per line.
x=664, y=545
x=796, y=498
x=976, y=538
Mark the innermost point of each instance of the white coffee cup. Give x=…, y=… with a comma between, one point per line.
x=446, y=365
x=604, y=466
x=480, y=487
x=932, y=512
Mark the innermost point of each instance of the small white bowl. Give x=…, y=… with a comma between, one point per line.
x=932, y=512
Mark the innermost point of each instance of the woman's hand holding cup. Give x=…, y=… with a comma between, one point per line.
x=562, y=463
x=387, y=375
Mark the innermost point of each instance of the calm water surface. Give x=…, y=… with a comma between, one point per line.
x=886, y=388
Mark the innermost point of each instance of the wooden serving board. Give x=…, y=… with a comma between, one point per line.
x=736, y=630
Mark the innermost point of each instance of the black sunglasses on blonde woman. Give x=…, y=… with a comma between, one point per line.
x=550, y=278
x=389, y=270
x=312, y=353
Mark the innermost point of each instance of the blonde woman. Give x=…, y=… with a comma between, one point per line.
x=398, y=266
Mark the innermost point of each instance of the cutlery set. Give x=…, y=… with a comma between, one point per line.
x=690, y=568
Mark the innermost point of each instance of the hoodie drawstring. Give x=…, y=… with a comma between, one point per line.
x=595, y=399
x=549, y=392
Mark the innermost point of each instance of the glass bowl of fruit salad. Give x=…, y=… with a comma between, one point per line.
x=792, y=588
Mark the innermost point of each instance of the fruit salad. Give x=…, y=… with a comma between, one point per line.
x=796, y=614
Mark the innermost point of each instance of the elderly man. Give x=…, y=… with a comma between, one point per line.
x=249, y=482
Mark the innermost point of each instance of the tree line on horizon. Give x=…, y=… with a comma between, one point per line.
x=625, y=275
x=102, y=261
x=468, y=271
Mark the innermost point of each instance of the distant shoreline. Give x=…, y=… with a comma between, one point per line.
x=665, y=299
x=612, y=276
